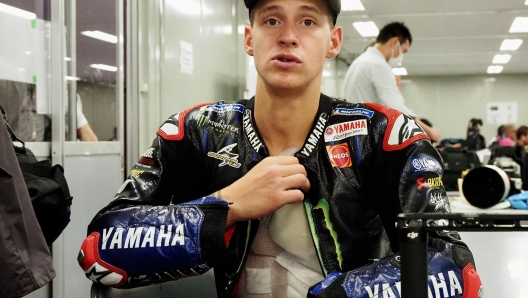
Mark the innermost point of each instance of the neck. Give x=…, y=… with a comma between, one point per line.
x=284, y=120
x=385, y=50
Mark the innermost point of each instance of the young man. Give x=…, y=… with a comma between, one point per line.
x=370, y=79
x=279, y=191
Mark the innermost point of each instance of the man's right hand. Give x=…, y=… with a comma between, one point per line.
x=271, y=184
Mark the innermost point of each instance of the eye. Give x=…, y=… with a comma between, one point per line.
x=308, y=22
x=272, y=22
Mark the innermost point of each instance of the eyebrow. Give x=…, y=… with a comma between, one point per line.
x=304, y=8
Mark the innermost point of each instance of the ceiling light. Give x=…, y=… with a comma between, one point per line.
x=366, y=29
x=501, y=59
x=511, y=44
x=520, y=25
x=326, y=73
x=526, y=3
x=67, y=59
x=104, y=67
x=399, y=71
x=70, y=78
x=495, y=69
x=351, y=5
x=101, y=36
x=17, y=12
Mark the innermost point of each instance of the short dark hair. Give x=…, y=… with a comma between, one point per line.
x=331, y=11
x=392, y=30
x=426, y=122
x=523, y=130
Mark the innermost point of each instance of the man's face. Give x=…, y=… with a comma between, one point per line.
x=290, y=41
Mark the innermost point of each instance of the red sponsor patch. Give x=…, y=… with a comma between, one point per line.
x=339, y=155
x=422, y=183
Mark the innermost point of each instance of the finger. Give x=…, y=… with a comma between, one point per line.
x=292, y=196
x=289, y=170
x=283, y=160
x=297, y=181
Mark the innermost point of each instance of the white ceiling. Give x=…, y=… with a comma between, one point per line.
x=450, y=37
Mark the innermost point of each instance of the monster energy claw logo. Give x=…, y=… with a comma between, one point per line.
x=323, y=205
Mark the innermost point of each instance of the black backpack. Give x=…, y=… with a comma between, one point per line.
x=47, y=189
x=457, y=160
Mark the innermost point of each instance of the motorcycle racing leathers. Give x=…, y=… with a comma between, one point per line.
x=366, y=164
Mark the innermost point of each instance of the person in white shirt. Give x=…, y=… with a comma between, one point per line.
x=370, y=78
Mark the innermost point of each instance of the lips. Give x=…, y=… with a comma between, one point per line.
x=286, y=58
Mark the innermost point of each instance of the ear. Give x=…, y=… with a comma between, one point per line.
x=248, y=41
x=336, y=39
x=393, y=42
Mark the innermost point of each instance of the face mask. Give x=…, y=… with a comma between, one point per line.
x=396, y=61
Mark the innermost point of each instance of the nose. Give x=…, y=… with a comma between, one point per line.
x=288, y=37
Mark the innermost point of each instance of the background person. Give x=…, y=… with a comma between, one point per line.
x=370, y=78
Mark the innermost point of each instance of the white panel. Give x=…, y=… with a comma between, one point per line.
x=93, y=181
x=501, y=261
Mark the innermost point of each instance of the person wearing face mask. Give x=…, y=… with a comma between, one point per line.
x=370, y=78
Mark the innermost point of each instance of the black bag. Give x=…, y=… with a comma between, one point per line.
x=456, y=161
x=47, y=188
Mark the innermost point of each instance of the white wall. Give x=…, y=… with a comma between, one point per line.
x=212, y=27
x=449, y=102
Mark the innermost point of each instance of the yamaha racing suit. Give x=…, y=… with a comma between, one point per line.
x=366, y=164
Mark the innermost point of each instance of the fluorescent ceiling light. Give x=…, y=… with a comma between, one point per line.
x=400, y=71
x=511, y=44
x=495, y=69
x=526, y=3
x=366, y=29
x=350, y=5
x=17, y=12
x=67, y=59
x=519, y=25
x=104, y=67
x=101, y=36
x=326, y=73
x=21, y=69
x=501, y=59
x=70, y=78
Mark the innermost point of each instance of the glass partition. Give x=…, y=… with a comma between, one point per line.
x=25, y=67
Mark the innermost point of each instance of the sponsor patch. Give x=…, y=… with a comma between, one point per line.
x=429, y=182
x=404, y=128
x=401, y=130
x=339, y=155
x=344, y=130
x=426, y=164
x=226, y=156
x=219, y=126
x=353, y=112
x=251, y=134
x=136, y=173
x=315, y=135
x=439, y=199
x=224, y=107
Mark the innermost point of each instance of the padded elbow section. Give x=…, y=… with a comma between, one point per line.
x=142, y=245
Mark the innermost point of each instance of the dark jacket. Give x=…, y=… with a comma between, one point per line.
x=366, y=163
x=25, y=260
